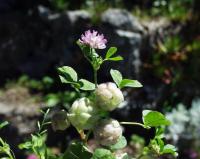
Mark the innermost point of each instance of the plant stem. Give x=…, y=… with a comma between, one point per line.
x=82, y=135
x=134, y=123
x=87, y=136
x=95, y=77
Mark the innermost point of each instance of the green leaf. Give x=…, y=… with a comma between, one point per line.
x=26, y=145
x=3, y=124
x=169, y=149
x=154, y=118
x=77, y=151
x=160, y=132
x=116, y=76
x=160, y=143
x=130, y=83
x=116, y=58
x=120, y=144
x=102, y=153
x=110, y=52
x=86, y=85
x=67, y=74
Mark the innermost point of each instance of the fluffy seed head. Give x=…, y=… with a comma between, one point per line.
x=108, y=96
x=107, y=132
x=82, y=114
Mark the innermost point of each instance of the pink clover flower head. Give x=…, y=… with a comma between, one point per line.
x=93, y=39
x=32, y=156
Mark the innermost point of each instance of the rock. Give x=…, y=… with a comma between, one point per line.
x=121, y=19
x=124, y=31
x=75, y=17
x=133, y=42
x=18, y=107
x=35, y=44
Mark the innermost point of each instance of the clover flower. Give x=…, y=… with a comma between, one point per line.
x=93, y=39
x=83, y=115
x=108, y=96
x=32, y=156
x=107, y=132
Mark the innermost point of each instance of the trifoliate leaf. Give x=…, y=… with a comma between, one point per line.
x=110, y=52
x=116, y=76
x=154, y=118
x=129, y=83
x=116, y=58
x=86, y=85
x=67, y=74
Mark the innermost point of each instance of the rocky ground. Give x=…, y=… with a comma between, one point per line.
x=21, y=110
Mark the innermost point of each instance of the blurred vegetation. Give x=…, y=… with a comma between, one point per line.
x=172, y=9
x=46, y=89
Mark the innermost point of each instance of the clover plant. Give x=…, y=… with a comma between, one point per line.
x=90, y=114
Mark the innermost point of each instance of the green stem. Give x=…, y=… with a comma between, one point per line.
x=134, y=123
x=87, y=136
x=95, y=77
x=13, y=155
x=10, y=155
x=82, y=135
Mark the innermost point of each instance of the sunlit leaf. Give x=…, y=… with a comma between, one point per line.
x=154, y=118
x=117, y=58
x=116, y=76
x=86, y=85
x=110, y=52
x=67, y=74
x=130, y=83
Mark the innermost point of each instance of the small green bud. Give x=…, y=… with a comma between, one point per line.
x=60, y=121
x=83, y=115
x=108, y=96
x=107, y=132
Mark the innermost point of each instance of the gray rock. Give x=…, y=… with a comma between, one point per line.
x=37, y=44
x=76, y=16
x=32, y=45
x=18, y=106
x=133, y=42
x=121, y=19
